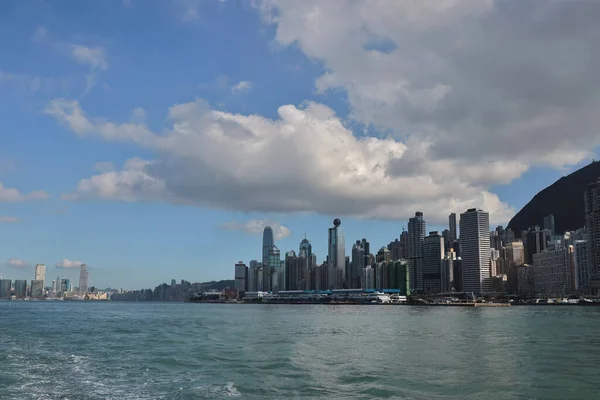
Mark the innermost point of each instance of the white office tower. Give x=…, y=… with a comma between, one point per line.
x=475, y=251
x=83, y=280
x=40, y=272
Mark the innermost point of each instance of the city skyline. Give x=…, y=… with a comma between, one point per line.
x=122, y=147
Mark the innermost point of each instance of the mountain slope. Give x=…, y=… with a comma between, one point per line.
x=564, y=199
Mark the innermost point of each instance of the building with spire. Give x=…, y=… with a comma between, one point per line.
x=336, y=256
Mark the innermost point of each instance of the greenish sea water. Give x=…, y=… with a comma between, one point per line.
x=112, y=350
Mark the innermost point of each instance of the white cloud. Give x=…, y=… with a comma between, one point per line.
x=40, y=34
x=256, y=226
x=95, y=57
x=478, y=79
x=128, y=3
x=17, y=263
x=11, y=195
x=66, y=264
x=5, y=219
x=304, y=161
x=191, y=14
x=242, y=86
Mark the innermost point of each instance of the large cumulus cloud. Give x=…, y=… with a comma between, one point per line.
x=304, y=161
x=476, y=79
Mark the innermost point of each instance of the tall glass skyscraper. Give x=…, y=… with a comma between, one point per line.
x=267, y=244
x=336, y=268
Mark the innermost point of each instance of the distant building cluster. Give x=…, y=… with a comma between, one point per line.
x=36, y=289
x=467, y=257
x=174, y=292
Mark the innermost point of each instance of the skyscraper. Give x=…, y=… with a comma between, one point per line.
x=592, y=224
x=268, y=270
x=433, y=257
x=452, y=225
x=241, y=278
x=20, y=289
x=306, y=256
x=535, y=242
x=5, y=285
x=336, y=268
x=40, y=272
x=416, y=239
x=367, y=250
x=404, y=245
x=273, y=273
x=267, y=244
x=83, y=280
x=549, y=224
x=356, y=266
x=475, y=251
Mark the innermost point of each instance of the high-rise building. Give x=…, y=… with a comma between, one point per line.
x=549, y=223
x=367, y=249
x=37, y=289
x=416, y=239
x=241, y=278
x=475, y=250
x=336, y=256
x=267, y=244
x=592, y=224
x=447, y=240
x=534, y=241
x=582, y=265
x=383, y=255
x=447, y=276
x=404, y=245
x=433, y=257
x=356, y=265
x=306, y=256
x=65, y=285
x=5, y=285
x=83, y=280
x=452, y=226
x=553, y=272
x=20, y=288
x=395, y=249
x=273, y=273
x=40, y=272
x=252, y=276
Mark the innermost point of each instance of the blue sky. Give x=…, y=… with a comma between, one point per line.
x=285, y=113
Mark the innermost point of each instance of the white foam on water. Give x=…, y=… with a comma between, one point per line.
x=231, y=390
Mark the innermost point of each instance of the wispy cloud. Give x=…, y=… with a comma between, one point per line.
x=242, y=86
x=40, y=34
x=67, y=264
x=11, y=195
x=256, y=226
x=191, y=14
x=17, y=263
x=93, y=57
x=5, y=219
x=127, y=3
